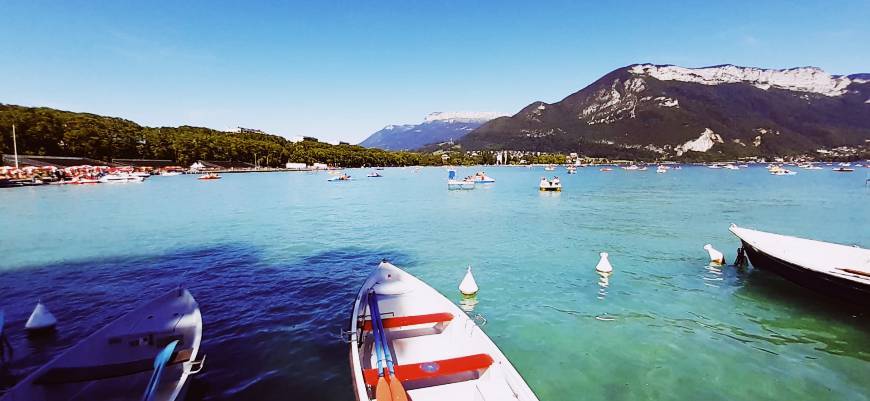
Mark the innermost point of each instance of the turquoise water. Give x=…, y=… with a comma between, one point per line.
x=276, y=258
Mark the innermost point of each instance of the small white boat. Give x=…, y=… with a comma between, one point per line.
x=120, y=178
x=170, y=173
x=554, y=185
x=809, y=166
x=661, y=169
x=715, y=166
x=482, y=178
x=209, y=176
x=632, y=167
x=118, y=361
x=731, y=167
x=779, y=170
x=343, y=177
x=455, y=184
x=374, y=174
x=550, y=168
x=572, y=170
x=837, y=270
x=433, y=351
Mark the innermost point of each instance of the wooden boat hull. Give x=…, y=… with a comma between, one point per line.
x=832, y=286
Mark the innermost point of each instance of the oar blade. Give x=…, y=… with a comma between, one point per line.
x=397, y=389
x=382, y=391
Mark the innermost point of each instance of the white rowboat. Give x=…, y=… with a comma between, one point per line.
x=439, y=352
x=117, y=361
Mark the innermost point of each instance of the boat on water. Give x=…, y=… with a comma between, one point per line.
x=554, y=185
x=170, y=173
x=779, y=170
x=120, y=178
x=481, y=178
x=572, y=170
x=374, y=174
x=209, y=176
x=809, y=166
x=605, y=169
x=551, y=167
x=148, y=354
x=714, y=166
x=426, y=347
x=837, y=270
x=730, y=167
x=632, y=167
x=342, y=177
x=456, y=184
x=661, y=169
x=843, y=169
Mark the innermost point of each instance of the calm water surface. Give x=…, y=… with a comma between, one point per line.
x=275, y=259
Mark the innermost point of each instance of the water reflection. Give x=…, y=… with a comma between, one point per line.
x=467, y=303
x=603, y=283
x=713, y=274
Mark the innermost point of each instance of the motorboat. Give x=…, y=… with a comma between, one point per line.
x=407, y=341
x=730, y=167
x=374, y=174
x=843, y=169
x=779, y=170
x=148, y=354
x=714, y=166
x=342, y=177
x=456, y=184
x=550, y=167
x=632, y=167
x=838, y=270
x=120, y=178
x=661, y=169
x=572, y=170
x=809, y=166
x=550, y=185
x=143, y=174
x=209, y=176
x=482, y=178
x=170, y=173
x=605, y=169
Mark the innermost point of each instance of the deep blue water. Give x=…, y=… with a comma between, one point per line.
x=275, y=259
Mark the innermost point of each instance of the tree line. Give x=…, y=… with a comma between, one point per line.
x=46, y=131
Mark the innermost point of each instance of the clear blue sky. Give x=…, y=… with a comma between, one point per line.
x=342, y=70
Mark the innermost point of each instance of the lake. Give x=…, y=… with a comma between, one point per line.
x=275, y=260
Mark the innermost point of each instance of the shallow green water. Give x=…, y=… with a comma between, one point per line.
x=666, y=326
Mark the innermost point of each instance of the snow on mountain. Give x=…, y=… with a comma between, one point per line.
x=804, y=79
x=463, y=116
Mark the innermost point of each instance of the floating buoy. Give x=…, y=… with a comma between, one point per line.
x=468, y=286
x=604, y=264
x=715, y=256
x=41, y=320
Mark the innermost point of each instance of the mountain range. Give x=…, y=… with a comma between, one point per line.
x=436, y=128
x=712, y=112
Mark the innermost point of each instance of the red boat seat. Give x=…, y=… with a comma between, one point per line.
x=429, y=370
x=394, y=322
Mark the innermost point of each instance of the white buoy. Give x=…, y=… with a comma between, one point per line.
x=40, y=320
x=604, y=264
x=715, y=256
x=468, y=286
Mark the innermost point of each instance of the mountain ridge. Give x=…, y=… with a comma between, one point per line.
x=660, y=108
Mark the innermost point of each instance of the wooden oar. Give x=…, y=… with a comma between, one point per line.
x=159, y=363
x=382, y=390
x=396, y=387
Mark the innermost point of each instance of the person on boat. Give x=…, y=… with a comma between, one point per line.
x=555, y=181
